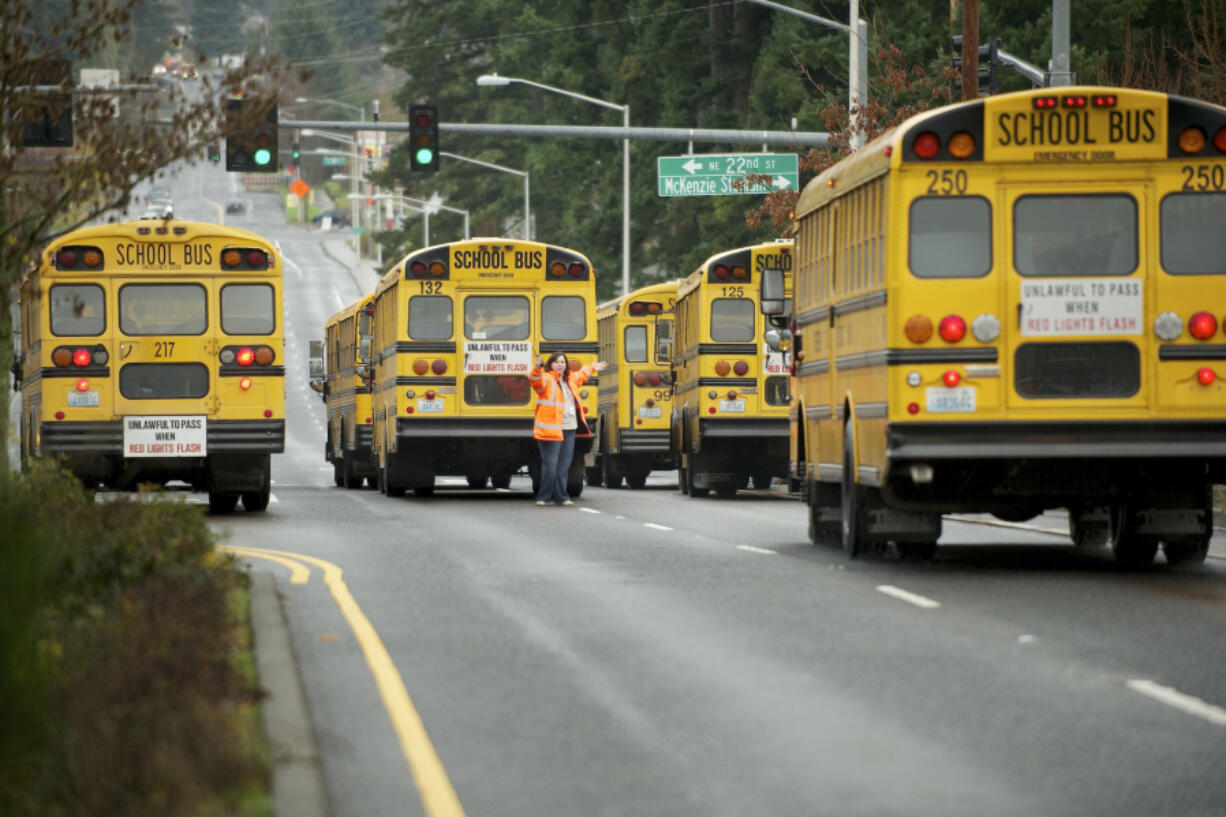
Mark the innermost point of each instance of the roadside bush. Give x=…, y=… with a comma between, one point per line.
x=117, y=645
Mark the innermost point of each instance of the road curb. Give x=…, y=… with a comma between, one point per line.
x=297, y=778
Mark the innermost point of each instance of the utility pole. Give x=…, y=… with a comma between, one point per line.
x=970, y=49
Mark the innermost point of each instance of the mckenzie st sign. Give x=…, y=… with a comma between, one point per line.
x=723, y=174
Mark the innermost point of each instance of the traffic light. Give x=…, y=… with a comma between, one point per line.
x=988, y=65
x=423, y=138
x=252, y=147
x=47, y=119
x=295, y=155
x=214, y=154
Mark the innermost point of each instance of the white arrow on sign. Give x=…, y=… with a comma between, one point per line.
x=779, y=182
x=692, y=166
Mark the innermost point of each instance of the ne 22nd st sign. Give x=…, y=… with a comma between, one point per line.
x=723, y=174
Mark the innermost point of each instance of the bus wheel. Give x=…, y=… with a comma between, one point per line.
x=256, y=501
x=612, y=479
x=424, y=490
x=683, y=481
x=352, y=480
x=761, y=480
x=574, y=489
x=918, y=551
x=501, y=481
x=221, y=504
x=638, y=483
x=1189, y=551
x=1129, y=547
x=476, y=482
x=852, y=501
x=726, y=490
x=593, y=476
x=338, y=474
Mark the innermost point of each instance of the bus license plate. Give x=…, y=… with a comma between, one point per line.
x=732, y=406
x=426, y=406
x=83, y=398
x=650, y=411
x=945, y=400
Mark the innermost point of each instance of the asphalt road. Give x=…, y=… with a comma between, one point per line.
x=644, y=653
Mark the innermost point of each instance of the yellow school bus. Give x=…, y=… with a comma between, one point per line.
x=635, y=402
x=1005, y=305
x=153, y=351
x=729, y=420
x=344, y=384
x=457, y=327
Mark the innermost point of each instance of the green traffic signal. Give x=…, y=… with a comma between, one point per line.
x=263, y=156
x=424, y=156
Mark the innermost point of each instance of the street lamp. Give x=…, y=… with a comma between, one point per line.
x=524, y=173
x=494, y=80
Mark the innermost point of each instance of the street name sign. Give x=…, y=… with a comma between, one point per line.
x=716, y=174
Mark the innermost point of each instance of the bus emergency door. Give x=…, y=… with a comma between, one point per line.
x=1076, y=295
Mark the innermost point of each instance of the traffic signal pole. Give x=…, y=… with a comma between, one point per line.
x=970, y=49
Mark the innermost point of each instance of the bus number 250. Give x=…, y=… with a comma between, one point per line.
x=946, y=182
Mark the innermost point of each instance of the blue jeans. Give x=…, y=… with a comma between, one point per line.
x=555, y=465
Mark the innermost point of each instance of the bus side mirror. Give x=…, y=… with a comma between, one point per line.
x=316, y=359
x=316, y=384
x=778, y=340
x=772, y=294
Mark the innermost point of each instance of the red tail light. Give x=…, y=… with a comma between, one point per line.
x=245, y=356
x=83, y=384
x=81, y=357
x=926, y=145
x=721, y=271
x=244, y=383
x=740, y=368
x=952, y=328
x=654, y=378
x=1202, y=326
x=952, y=378
x=1206, y=376
x=439, y=366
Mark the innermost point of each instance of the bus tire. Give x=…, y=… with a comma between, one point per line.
x=338, y=474
x=502, y=481
x=761, y=480
x=351, y=479
x=593, y=477
x=853, y=523
x=256, y=501
x=693, y=489
x=221, y=504
x=638, y=483
x=1188, y=551
x=422, y=490
x=1130, y=548
x=475, y=481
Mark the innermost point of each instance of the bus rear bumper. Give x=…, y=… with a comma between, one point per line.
x=106, y=438
x=1201, y=440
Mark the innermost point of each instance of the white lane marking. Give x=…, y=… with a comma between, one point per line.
x=910, y=598
x=590, y=510
x=654, y=525
x=297, y=269
x=752, y=549
x=1185, y=703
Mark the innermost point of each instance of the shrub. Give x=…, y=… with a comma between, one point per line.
x=117, y=645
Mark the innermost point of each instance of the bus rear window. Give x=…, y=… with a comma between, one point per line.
x=163, y=381
x=1075, y=235
x=496, y=390
x=247, y=309
x=1194, y=233
x=430, y=317
x=950, y=237
x=162, y=309
x=563, y=317
x=732, y=319
x=496, y=317
x=77, y=309
x=635, y=344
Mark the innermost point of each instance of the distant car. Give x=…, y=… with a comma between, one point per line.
x=155, y=213
x=340, y=218
x=162, y=208
x=233, y=207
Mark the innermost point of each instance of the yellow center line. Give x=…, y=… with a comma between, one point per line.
x=298, y=572
x=438, y=797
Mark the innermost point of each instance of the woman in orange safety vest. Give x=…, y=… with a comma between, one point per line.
x=558, y=418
